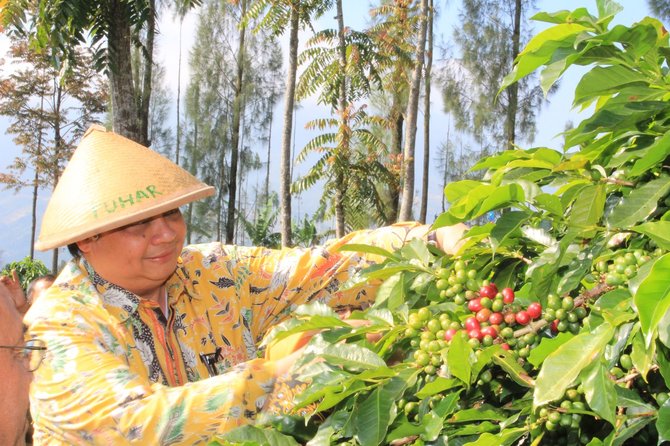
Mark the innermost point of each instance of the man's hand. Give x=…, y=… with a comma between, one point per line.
x=13, y=287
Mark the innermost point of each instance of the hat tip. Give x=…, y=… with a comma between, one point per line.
x=95, y=127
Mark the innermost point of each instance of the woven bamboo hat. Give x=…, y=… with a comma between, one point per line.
x=110, y=182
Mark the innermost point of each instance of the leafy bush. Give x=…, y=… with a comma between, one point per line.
x=27, y=269
x=551, y=326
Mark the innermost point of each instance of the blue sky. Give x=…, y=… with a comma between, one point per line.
x=15, y=226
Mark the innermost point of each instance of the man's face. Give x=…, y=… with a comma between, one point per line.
x=138, y=257
x=14, y=375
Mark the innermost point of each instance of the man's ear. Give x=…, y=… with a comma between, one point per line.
x=85, y=245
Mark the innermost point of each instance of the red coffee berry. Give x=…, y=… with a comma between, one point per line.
x=483, y=315
x=534, y=310
x=449, y=334
x=496, y=318
x=508, y=295
x=491, y=331
x=471, y=323
x=475, y=305
x=522, y=317
x=488, y=291
x=475, y=334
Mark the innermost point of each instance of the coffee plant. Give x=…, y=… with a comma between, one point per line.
x=550, y=326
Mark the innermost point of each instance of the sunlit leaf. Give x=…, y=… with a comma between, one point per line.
x=376, y=412
x=652, y=298
x=663, y=422
x=508, y=362
x=506, y=225
x=546, y=347
x=504, y=438
x=639, y=204
x=588, y=207
x=458, y=359
x=656, y=153
x=642, y=356
x=605, y=80
x=658, y=231
x=599, y=391
x=254, y=436
x=561, y=368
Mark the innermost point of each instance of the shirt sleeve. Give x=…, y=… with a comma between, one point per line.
x=269, y=284
x=85, y=392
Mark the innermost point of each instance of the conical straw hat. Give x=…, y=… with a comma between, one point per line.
x=110, y=182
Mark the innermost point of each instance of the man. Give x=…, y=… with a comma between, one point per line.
x=15, y=372
x=153, y=342
x=38, y=286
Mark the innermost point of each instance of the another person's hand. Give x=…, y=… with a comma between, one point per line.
x=284, y=365
x=14, y=289
x=448, y=238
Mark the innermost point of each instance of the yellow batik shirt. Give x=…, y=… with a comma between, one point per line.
x=118, y=372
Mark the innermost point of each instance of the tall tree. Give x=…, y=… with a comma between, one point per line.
x=425, y=177
x=394, y=32
x=342, y=67
x=113, y=28
x=660, y=9
x=411, y=119
x=48, y=116
x=294, y=14
x=227, y=107
x=238, y=109
x=361, y=171
x=160, y=132
x=489, y=36
x=289, y=104
x=181, y=9
x=342, y=111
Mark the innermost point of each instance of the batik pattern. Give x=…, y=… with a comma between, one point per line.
x=118, y=372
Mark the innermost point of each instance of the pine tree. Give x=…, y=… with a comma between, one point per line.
x=48, y=114
x=489, y=35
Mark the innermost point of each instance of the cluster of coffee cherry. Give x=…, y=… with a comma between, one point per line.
x=562, y=419
x=618, y=270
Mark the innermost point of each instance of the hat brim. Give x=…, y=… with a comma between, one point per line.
x=76, y=234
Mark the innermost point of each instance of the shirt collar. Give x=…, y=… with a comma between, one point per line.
x=112, y=295
x=127, y=302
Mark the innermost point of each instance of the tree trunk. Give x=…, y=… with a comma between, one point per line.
x=40, y=155
x=147, y=58
x=267, y=167
x=446, y=165
x=33, y=223
x=193, y=168
x=412, y=111
x=176, y=155
x=58, y=153
x=513, y=90
x=343, y=149
x=397, y=122
x=235, y=133
x=289, y=100
x=124, y=110
x=426, y=116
